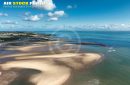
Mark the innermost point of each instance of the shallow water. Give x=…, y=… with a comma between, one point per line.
x=114, y=69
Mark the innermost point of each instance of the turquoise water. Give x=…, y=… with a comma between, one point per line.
x=114, y=69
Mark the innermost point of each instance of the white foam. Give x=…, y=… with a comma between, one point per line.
x=111, y=49
x=93, y=82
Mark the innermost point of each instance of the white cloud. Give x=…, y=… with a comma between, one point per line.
x=56, y=14
x=50, y=14
x=27, y=13
x=12, y=26
x=44, y=4
x=69, y=7
x=34, y=17
x=59, y=13
x=41, y=15
x=123, y=25
x=9, y=22
x=4, y=14
x=53, y=19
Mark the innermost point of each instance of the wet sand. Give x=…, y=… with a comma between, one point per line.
x=55, y=69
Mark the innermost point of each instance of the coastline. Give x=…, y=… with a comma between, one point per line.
x=38, y=56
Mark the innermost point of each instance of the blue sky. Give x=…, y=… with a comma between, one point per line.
x=66, y=13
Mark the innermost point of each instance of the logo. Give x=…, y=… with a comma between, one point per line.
x=22, y=4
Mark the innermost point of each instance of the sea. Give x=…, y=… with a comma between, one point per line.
x=115, y=67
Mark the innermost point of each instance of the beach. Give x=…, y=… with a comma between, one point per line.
x=54, y=66
x=108, y=65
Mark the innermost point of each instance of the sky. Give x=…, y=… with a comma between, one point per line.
x=88, y=14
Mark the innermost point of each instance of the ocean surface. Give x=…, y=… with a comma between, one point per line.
x=114, y=69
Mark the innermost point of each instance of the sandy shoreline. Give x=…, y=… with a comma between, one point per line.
x=55, y=69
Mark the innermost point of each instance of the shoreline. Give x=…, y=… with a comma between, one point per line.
x=49, y=66
x=47, y=58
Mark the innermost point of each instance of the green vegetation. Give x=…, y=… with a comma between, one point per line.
x=20, y=36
